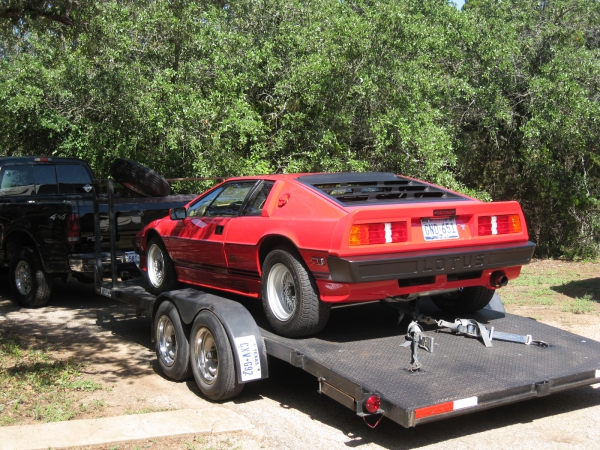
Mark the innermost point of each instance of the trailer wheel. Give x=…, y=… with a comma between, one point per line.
x=172, y=348
x=30, y=286
x=290, y=297
x=212, y=359
x=464, y=301
x=138, y=178
x=161, y=271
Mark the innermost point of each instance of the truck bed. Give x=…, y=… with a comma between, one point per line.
x=359, y=353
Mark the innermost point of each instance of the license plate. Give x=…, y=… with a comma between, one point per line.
x=132, y=257
x=439, y=229
x=249, y=358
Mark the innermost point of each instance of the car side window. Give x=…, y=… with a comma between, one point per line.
x=255, y=204
x=229, y=202
x=17, y=180
x=199, y=208
x=45, y=179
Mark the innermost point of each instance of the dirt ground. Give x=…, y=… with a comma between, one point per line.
x=114, y=345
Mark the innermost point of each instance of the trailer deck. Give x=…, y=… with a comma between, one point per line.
x=360, y=354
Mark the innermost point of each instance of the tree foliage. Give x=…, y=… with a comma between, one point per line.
x=500, y=100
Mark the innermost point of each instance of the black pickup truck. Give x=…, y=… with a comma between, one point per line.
x=47, y=223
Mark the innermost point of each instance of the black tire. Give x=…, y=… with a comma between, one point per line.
x=162, y=276
x=290, y=296
x=138, y=178
x=211, y=358
x=465, y=301
x=30, y=285
x=171, y=343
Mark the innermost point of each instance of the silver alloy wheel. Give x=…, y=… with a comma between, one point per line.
x=206, y=357
x=281, y=292
x=156, y=265
x=23, y=277
x=167, y=342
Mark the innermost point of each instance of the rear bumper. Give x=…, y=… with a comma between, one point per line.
x=401, y=266
x=85, y=262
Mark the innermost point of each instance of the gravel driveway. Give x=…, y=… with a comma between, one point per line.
x=286, y=409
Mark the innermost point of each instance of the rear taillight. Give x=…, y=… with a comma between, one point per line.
x=506, y=224
x=378, y=233
x=73, y=228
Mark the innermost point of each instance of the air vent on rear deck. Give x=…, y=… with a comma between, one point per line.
x=371, y=187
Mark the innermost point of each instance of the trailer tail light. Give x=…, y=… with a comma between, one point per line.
x=378, y=233
x=373, y=404
x=442, y=408
x=506, y=224
x=73, y=228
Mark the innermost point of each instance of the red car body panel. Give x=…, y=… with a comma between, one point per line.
x=226, y=252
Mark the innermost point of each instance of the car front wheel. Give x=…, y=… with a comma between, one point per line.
x=290, y=297
x=161, y=271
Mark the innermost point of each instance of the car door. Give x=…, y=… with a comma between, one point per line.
x=196, y=244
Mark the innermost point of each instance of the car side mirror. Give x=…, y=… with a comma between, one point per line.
x=178, y=213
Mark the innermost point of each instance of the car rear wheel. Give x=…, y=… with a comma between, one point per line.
x=161, y=271
x=464, y=301
x=290, y=297
x=211, y=358
x=30, y=286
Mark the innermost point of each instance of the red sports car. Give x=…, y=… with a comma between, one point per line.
x=305, y=242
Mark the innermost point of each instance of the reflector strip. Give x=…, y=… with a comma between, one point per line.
x=388, y=232
x=597, y=373
x=441, y=408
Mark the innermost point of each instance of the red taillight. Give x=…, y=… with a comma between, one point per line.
x=373, y=404
x=73, y=228
x=506, y=224
x=378, y=233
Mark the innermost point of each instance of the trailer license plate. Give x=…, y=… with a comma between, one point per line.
x=247, y=351
x=439, y=229
x=132, y=257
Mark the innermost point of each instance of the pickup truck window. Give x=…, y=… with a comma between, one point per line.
x=16, y=180
x=73, y=179
x=45, y=180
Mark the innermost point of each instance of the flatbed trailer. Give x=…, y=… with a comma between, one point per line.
x=359, y=360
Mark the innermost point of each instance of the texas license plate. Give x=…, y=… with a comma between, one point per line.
x=439, y=229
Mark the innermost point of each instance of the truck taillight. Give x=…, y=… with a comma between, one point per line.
x=378, y=233
x=73, y=228
x=506, y=224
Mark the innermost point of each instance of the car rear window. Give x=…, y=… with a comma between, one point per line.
x=375, y=187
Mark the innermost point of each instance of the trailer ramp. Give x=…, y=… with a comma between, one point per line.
x=360, y=354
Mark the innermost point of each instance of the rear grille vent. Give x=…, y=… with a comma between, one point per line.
x=378, y=191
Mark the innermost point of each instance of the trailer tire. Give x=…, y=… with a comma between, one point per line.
x=465, y=301
x=138, y=178
x=211, y=358
x=162, y=276
x=171, y=343
x=290, y=296
x=30, y=285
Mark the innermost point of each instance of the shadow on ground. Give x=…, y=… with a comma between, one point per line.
x=580, y=288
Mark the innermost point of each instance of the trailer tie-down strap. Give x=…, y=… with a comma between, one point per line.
x=470, y=327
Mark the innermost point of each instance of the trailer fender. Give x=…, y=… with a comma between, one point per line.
x=241, y=329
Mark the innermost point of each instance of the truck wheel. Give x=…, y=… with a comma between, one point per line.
x=465, y=301
x=30, y=286
x=211, y=358
x=290, y=297
x=161, y=271
x=140, y=179
x=172, y=348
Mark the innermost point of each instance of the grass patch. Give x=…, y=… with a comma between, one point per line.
x=36, y=387
x=583, y=305
x=147, y=410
